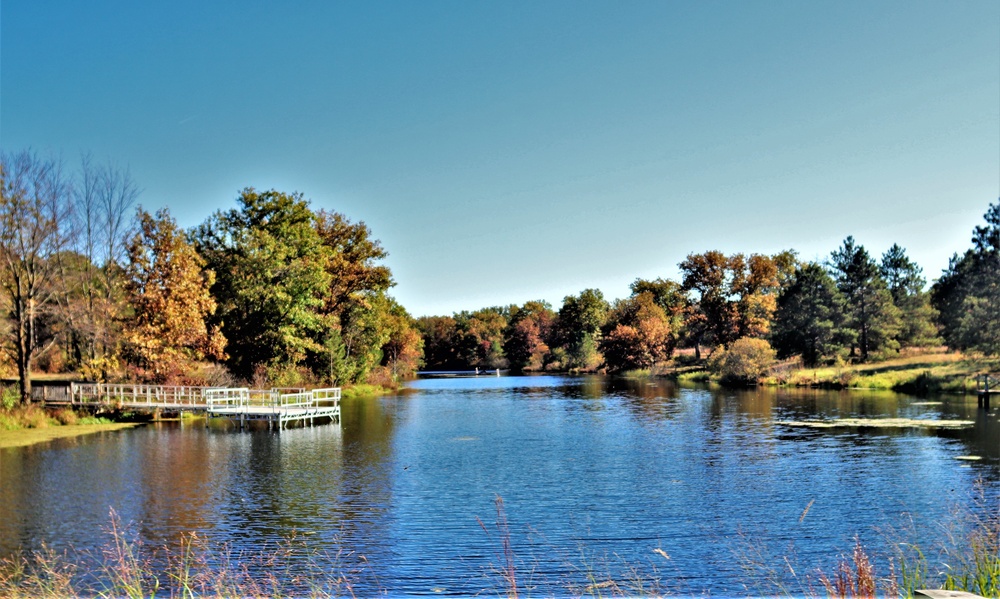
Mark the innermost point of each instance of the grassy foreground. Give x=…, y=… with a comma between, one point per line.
x=194, y=568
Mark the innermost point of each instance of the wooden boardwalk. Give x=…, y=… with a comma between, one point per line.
x=278, y=407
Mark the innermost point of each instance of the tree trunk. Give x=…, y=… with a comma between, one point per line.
x=24, y=371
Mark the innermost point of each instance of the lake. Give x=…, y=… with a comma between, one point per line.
x=704, y=491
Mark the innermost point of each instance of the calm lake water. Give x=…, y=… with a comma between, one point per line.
x=595, y=476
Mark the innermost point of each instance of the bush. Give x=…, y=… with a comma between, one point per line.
x=66, y=416
x=745, y=361
x=9, y=397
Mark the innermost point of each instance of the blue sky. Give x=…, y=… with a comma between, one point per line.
x=509, y=151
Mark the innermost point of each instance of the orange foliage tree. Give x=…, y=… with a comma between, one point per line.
x=168, y=288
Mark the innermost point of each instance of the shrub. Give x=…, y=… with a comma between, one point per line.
x=744, y=362
x=9, y=397
x=66, y=416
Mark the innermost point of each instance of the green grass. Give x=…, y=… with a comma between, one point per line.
x=31, y=436
x=361, y=391
x=26, y=425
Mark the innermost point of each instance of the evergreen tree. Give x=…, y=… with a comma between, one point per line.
x=870, y=311
x=809, y=316
x=968, y=293
x=906, y=284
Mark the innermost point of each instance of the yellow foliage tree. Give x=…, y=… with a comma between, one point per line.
x=168, y=289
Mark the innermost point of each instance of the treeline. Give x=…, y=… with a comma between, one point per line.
x=269, y=292
x=745, y=310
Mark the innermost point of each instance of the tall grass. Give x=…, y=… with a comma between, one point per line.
x=968, y=560
x=127, y=568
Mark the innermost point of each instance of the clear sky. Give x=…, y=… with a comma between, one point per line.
x=505, y=151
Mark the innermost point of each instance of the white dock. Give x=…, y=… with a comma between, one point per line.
x=278, y=407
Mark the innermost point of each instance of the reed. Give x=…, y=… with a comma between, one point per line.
x=193, y=568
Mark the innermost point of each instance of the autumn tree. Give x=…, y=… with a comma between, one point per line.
x=636, y=334
x=668, y=295
x=480, y=337
x=968, y=292
x=356, y=310
x=869, y=308
x=168, y=290
x=352, y=260
x=34, y=219
x=402, y=353
x=528, y=332
x=730, y=297
x=809, y=316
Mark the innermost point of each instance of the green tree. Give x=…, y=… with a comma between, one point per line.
x=869, y=308
x=271, y=278
x=906, y=284
x=167, y=288
x=365, y=328
x=809, y=316
x=579, y=328
x=636, y=334
x=968, y=292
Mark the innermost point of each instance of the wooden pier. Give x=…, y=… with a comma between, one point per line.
x=986, y=385
x=278, y=407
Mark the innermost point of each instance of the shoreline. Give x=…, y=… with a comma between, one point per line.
x=26, y=437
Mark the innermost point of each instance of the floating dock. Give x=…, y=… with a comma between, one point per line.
x=278, y=407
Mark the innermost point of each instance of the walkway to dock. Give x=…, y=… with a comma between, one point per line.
x=277, y=407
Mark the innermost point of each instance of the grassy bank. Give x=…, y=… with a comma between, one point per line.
x=27, y=425
x=930, y=372
x=31, y=436
x=923, y=372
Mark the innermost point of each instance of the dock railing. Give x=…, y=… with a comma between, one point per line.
x=227, y=400
x=293, y=400
x=327, y=397
x=136, y=393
